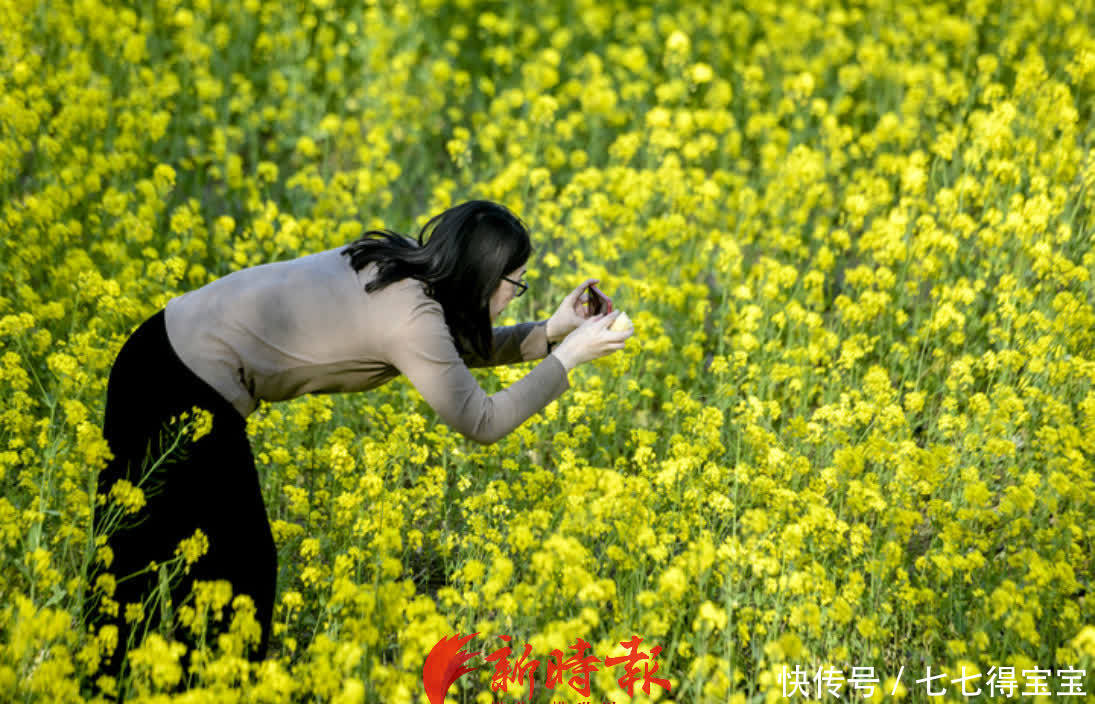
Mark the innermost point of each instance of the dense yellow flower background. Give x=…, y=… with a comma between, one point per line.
x=856, y=424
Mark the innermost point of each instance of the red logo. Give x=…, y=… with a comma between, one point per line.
x=444, y=665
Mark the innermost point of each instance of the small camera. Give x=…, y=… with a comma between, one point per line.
x=596, y=302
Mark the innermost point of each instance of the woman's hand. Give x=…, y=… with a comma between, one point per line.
x=591, y=340
x=571, y=313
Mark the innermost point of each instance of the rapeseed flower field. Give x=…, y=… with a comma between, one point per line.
x=854, y=435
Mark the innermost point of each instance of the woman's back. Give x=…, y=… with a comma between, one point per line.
x=283, y=329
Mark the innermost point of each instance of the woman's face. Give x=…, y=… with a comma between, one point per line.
x=505, y=292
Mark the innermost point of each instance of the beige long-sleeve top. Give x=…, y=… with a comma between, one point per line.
x=305, y=326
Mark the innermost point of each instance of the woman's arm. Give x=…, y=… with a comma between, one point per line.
x=513, y=344
x=423, y=350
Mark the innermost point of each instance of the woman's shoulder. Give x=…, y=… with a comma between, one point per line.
x=408, y=299
x=406, y=288
x=422, y=304
x=411, y=319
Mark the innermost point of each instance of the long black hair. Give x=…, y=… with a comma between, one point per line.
x=471, y=247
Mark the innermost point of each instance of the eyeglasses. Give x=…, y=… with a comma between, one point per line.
x=521, y=286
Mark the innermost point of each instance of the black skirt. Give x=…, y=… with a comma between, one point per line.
x=209, y=484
